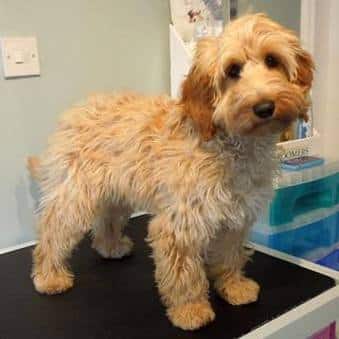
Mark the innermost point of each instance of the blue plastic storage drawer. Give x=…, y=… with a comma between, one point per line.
x=289, y=202
x=298, y=241
x=331, y=260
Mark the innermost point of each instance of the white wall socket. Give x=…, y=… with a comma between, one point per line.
x=20, y=57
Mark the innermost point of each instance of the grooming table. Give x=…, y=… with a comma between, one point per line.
x=118, y=299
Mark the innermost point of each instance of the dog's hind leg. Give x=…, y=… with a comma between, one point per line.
x=225, y=261
x=108, y=239
x=64, y=219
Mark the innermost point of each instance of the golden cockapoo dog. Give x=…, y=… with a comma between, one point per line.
x=202, y=165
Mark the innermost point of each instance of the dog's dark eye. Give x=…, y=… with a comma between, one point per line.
x=234, y=71
x=271, y=61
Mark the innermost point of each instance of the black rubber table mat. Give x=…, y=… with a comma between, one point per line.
x=118, y=299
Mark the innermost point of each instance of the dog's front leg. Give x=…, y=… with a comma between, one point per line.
x=225, y=261
x=180, y=274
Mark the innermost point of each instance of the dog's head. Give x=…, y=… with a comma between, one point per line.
x=251, y=80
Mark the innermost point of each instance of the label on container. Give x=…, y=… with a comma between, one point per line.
x=285, y=154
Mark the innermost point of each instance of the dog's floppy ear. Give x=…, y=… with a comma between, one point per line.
x=304, y=75
x=198, y=92
x=305, y=69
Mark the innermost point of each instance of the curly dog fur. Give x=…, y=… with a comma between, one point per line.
x=202, y=165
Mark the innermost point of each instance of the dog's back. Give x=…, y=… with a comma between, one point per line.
x=104, y=139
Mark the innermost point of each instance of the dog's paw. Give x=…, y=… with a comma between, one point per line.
x=238, y=290
x=114, y=250
x=191, y=316
x=53, y=282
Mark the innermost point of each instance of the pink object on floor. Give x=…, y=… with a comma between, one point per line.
x=326, y=333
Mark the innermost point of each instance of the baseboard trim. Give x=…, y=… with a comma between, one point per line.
x=17, y=247
x=33, y=242
x=138, y=214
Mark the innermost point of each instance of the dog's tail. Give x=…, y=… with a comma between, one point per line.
x=33, y=165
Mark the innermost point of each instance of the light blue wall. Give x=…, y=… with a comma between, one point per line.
x=287, y=12
x=84, y=46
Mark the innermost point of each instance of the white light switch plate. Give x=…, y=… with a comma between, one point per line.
x=20, y=57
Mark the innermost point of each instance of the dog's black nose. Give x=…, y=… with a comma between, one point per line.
x=264, y=109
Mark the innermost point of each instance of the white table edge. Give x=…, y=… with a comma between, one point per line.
x=307, y=318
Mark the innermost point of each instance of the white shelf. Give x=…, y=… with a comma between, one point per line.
x=181, y=59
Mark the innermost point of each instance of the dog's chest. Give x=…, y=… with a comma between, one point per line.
x=249, y=166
